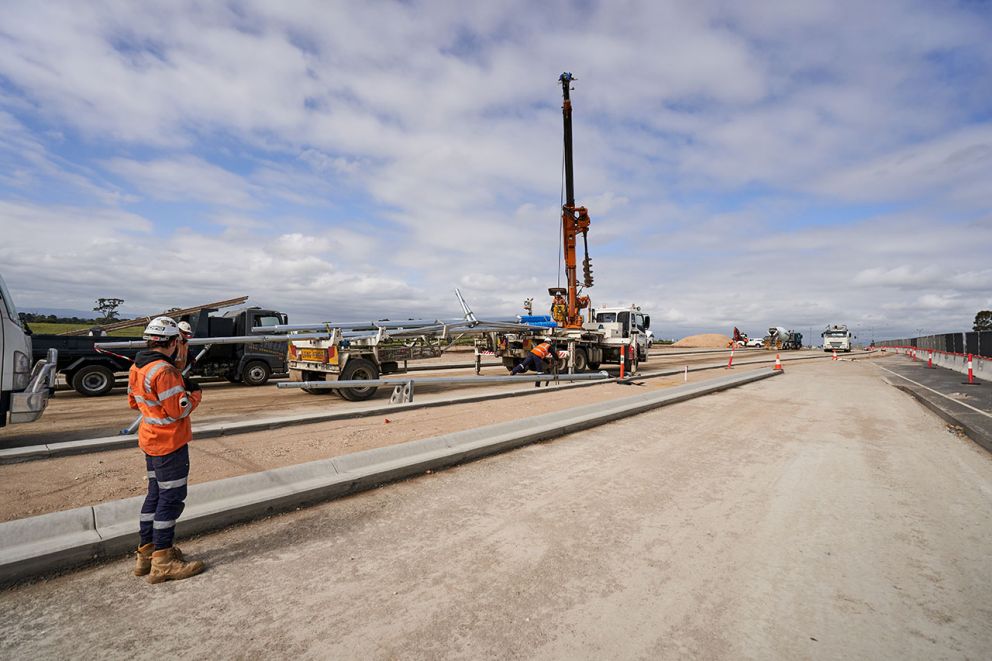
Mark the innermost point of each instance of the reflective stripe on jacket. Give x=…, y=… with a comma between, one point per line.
x=157, y=390
x=541, y=350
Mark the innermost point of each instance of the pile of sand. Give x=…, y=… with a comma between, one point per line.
x=704, y=341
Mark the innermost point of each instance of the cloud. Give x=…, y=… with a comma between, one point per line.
x=954, y=167
x=756, y=164
x=184, y=178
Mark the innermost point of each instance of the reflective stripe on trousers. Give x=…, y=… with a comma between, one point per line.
x=167, y=481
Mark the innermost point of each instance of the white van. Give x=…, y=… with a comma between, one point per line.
x=24, y=391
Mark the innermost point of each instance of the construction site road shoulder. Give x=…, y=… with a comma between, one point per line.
x=46, y=543
x=947, y=394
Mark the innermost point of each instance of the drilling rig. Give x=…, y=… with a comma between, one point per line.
x=574, y=221
x=608, y=333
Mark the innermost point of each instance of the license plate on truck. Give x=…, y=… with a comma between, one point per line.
x=313, y=355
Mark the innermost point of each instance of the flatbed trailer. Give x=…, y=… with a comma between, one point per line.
x=352, y=352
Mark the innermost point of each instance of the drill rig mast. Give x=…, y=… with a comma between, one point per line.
x=574, y=221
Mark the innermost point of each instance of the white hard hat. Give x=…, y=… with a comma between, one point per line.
x=185, y=327
x=161, y=328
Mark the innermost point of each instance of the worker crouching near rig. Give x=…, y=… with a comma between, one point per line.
x=165, y=398
x=534, y=360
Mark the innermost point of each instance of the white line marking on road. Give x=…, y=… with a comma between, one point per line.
x=985, y=413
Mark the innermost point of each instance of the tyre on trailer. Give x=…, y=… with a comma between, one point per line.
x=93, y=380
x=593, y=367
x=303, y=375
x=358, y=369
x=256, y=373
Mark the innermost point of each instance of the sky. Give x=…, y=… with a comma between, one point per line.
x=744, y=164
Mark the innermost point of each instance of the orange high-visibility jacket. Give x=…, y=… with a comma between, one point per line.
x=157, y=389
x=542, y=350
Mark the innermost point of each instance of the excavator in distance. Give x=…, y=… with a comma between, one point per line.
x=567, y=304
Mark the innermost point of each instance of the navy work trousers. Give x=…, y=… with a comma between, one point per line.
x=531, y=362
x=167, y=477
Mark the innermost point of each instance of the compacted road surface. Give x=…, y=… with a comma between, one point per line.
x=821, y=514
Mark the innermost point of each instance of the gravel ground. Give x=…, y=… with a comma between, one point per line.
x=71, y=416
x=822, y=514
x=49, y=485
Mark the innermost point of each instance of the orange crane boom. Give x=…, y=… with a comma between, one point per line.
x=574, y=221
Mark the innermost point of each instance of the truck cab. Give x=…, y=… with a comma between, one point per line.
x=251, y=364
x=621, y=326
x=24, y=391
x=836, y=337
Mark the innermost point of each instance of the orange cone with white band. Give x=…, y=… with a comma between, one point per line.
x=778, y=363
x=835, y=354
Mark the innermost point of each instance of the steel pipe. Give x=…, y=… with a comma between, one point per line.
x=410, y=325
x=365, y=383
x=197, y=341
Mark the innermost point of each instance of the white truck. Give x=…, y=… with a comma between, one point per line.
x=24, y=390
x=600, y=340
x=836, y=337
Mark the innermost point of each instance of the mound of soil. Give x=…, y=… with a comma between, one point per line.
x=704, y=341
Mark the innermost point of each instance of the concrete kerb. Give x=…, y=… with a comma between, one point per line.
x=958, y=419
x=49, y=542
x=215, y=430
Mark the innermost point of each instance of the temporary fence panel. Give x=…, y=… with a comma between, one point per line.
x=971, y=343
x=985, y=344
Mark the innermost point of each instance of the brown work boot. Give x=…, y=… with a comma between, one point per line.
x=169, y=565
x=143, y=559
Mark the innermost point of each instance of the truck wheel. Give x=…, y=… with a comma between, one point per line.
x=358, y=369
x=256, y=373
x=593, y=367
x=93, y=381
x=581, y=361
x=509, y=363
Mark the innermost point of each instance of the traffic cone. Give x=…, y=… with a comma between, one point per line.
x=778, y=363
x=835, y=354
x=730, y=363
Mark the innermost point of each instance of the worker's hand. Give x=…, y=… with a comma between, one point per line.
x=190, y=384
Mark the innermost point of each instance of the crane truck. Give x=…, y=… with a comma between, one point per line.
x=366, y=350
x=603, y=335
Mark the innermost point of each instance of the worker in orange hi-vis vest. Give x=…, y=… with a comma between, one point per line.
x=165, y=398
x=534, y=360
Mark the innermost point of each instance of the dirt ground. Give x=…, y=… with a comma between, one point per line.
x=48, y=485
x=822, y=514
x=71, y=417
